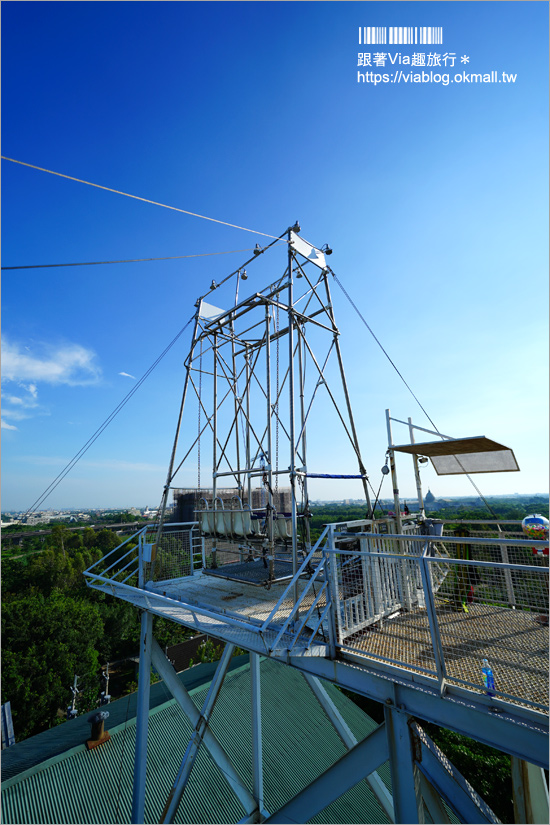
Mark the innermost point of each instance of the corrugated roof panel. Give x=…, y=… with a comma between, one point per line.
x=298, y=744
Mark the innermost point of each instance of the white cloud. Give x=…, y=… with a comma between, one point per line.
x=127, y=375
x=6, y=426
x=67, y=363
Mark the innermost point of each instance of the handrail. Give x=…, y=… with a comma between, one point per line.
x=106, y=556
x=529, y=568
x=297, y=605
x=452, y=539
x=295, y=578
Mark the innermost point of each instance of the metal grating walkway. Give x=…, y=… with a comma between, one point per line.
x=513, y=641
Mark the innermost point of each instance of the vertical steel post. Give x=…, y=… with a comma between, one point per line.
x=236, y=402
x=303, y=438
x=215, y=446
x=248, y=457
x=362, y=469
x=439, y=655
x=406, y=594
x=507, y=573
x=176, y=437
x=292, y=435
x=269, y=465
x=257, y=762
x=405, y=776
x=142, y=722
x=416, y=471
x=396, y=502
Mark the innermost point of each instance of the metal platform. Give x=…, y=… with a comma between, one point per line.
x=253, y=572
x=513, y=641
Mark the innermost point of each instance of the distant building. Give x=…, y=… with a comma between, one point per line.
x=429, y=498
x=188, y=501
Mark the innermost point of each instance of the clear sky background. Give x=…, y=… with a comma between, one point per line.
x=434, y=199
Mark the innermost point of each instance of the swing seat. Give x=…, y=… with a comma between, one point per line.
x=219, y=522
x=227, y=522
x=247, y=523
x=207, y=521
x=282, y=527
x=238, y=527
x=203, y=521
x=257, y=524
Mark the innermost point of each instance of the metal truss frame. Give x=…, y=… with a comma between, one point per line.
x=240, y=347
x=215, y=332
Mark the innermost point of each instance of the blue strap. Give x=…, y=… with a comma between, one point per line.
x=328, y=475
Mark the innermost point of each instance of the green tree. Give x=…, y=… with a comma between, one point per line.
x=46, y=641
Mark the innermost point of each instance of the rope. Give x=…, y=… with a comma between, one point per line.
x=127, y=261
x=74, y=460
x=472, y=482
x=137, y=198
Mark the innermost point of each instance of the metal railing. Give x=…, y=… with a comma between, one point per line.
x=442, y=605
x=436, y=606
x=177, y=554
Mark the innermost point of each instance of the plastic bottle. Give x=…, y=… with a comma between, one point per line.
x=488, y=678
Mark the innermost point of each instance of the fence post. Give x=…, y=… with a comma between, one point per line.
x=333, y=604
x=432, y=619
x=507, y=573
x=335, y=592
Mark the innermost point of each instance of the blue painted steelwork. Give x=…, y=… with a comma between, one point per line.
x=140, y=760
x=361, y=760
x=176, y=793
x=405, y=779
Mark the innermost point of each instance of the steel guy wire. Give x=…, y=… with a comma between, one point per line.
x=128, y=260
x=69, y=466
x=472, y=482
x=137, y=197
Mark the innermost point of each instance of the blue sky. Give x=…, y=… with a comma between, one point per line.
x=433, y=197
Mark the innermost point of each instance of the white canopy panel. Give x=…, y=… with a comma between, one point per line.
x=455, y=456
x=308, y=251
x=497, y=461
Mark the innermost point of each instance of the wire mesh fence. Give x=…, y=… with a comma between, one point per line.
x=443, y=611
x=177, y=551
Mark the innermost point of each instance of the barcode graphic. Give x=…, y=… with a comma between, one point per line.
x=403, y=35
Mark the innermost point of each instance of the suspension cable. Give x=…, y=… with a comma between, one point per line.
x=127, y=260
x=84, y=449
x=137, y=198
x=470, y=479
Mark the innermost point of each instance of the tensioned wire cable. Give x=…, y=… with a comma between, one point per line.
x=69, y=466
x=137, y=197
x=470, y=479
x=129, y=260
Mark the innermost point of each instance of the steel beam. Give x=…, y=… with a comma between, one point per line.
x=530, y=792
x=256, y=702
x=361, y=760
x=176, y=793
x=405, y=776
x=142, y=721
x=517, y=731
x=448, y=782
x=169, y=675
x=375, y=783
x=433, y=802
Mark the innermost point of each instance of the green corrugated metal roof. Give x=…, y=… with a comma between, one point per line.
x=57, y=740
x=299, y=743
